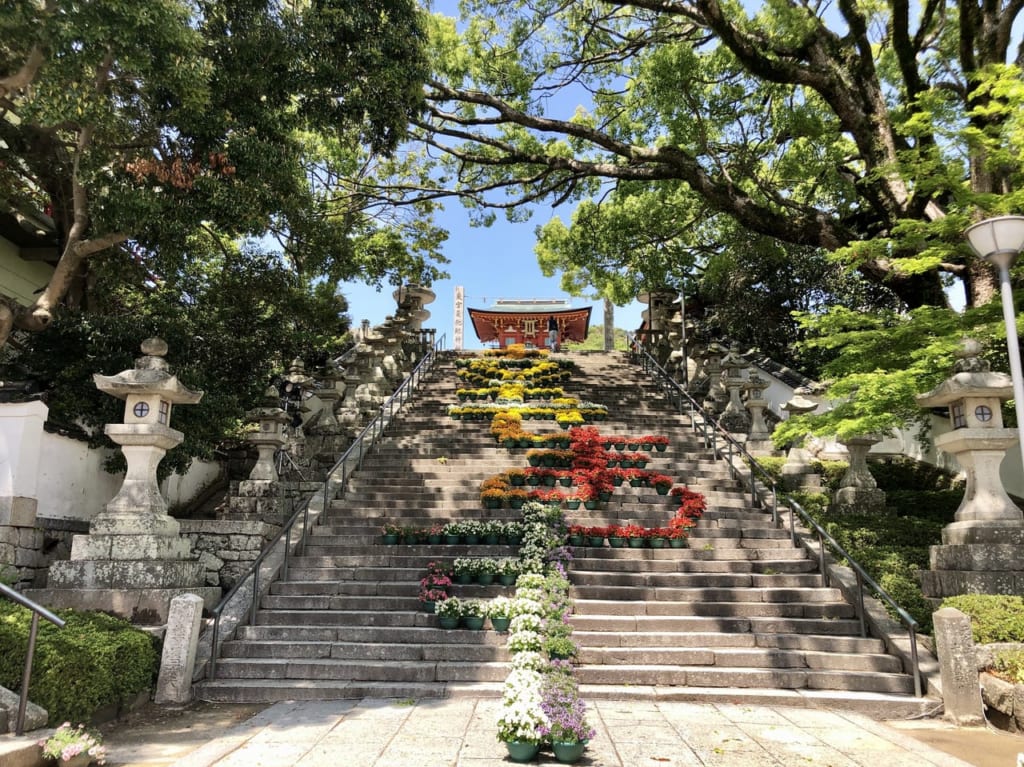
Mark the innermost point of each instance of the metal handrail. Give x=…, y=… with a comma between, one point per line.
x=26, y=677
x=372, y=432
x=675, y=392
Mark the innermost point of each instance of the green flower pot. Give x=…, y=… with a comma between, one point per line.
x=428, y=606
x=485, y=579
x=636, y=543
x=473, y=622
x=575, y=540
x=390, y=539
x=568, y=753
x=507, y=579
x=616, y=542
x=657, y=543
x=677, y=543
x=573, y=505
x=449, y=622
x=451, y=540
x=500, y=624
x=472, y=540
x=597, y=541
x=521, y=752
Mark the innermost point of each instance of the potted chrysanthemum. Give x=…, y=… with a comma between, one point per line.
x=73, y=746
x=522, y=720
x=567, y=728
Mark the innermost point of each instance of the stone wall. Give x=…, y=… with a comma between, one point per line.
x=227, y=547
x=20, y=555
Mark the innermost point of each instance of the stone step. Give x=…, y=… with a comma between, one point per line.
x=729, y=624
x=362, y=670
x=768, y=678
x=273, y=690
x=453, y=650
x=608, y=601
x=712, y=640
x=738, y=657
x=427, y=633
x=767, y=567
x=712, y=595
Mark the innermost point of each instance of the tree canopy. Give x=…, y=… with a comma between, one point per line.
x=824, y=156
x=134, y=125
x=874, y=131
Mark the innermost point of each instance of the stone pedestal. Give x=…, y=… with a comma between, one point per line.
x=858, y=492
x=981, y=551
x=797, y=471
x=133, y=562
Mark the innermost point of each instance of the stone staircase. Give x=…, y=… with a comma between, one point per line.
x=740, y=614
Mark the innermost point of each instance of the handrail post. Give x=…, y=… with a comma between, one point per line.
x=255, y=595
x=26, y=678
x=913, y=660
x=860, y=601
x=287, y=549
x=211, y=670
x=821, y=559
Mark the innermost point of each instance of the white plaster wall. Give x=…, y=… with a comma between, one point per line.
x=73, y=484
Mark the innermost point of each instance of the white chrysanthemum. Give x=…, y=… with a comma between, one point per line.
x=526, y=606
x=525, y=640
x=529, y=660
x=526, y=622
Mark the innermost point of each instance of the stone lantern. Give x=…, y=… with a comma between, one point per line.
x=717, y=395
x=797, y=468
x=759, y=436
x=858, y=491
x=329, y=394
x=149, y=392
x=981, y=548
x=133, y=561
x=734, y=417
x=269, y=437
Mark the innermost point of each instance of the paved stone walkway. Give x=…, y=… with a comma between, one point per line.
x=461, y=732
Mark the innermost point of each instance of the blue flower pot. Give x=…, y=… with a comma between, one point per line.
x=521, y=752
x=568, y=753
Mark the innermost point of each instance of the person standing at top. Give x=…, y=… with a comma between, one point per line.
x=552, y=333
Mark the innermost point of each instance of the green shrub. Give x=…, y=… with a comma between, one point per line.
x=1010, y=665
x=939, y=505
x=908, y=474
x=94, y=661
x=994, y=618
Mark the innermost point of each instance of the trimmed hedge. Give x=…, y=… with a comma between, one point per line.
x=994, y=618
x=891, y=548
x=94, y=661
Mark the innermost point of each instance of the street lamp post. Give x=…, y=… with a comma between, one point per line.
x=1000, y=240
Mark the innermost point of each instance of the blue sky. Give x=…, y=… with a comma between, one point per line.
x=488, y=262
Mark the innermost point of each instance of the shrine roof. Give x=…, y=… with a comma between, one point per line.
x=529, y=306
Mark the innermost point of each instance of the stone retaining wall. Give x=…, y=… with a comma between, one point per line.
x=227, y=547
x=1004, y=701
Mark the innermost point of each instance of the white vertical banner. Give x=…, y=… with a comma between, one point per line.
x=460, y=305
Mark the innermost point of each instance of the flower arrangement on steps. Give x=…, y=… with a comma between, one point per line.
x=541, y=706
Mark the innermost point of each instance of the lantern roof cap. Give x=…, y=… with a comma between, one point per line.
x=151, y=375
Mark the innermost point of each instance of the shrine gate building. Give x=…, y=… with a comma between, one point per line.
x=514, y=321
